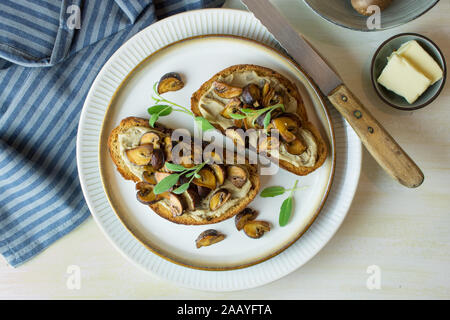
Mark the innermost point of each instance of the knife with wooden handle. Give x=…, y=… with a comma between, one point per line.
x=375, y=138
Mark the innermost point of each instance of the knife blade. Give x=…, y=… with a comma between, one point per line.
x=380, y=144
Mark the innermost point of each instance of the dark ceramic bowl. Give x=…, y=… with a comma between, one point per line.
x=379, y=61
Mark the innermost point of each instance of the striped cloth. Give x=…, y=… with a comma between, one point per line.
x=50, y=53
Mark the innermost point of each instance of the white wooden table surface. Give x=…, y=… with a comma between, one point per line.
x=406, y=233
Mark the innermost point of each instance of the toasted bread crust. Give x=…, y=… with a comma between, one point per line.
x=322, y=148
x=159, y=208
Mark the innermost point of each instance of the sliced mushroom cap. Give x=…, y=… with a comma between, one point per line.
x=251, y=122
x=145, y=193
x=213, y=157
x=255, y=229
x=176, y=204
x=150, y=138
x=141, y=155
x=270, y=97
x=238, y=123
x=226, y=91
x=259, y=122
x=170, y=82
x=207, y=179
x=186, y=161
x=220, y=172
x=219, y=198
x=278, y=113
x=192, y=199
x=209, y=237
x=287, y=127
x=266, y=88
x=251, y=94
x=268, y=144
x=158, y=159
x=184, y=156
x=243, y=217
x=148, y=168
x=293, y=116
x=161, y=175
x=232, y=107
x=203, y=192
x=296, y=147
x=149, y=177
x=167, y=142
x=236, y=134
x=237, y=175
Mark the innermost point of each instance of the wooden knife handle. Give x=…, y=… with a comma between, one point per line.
x=376, y=139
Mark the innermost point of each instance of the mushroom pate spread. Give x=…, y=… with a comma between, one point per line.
x=211, y=106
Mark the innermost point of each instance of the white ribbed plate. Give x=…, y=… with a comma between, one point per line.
x=159, y=35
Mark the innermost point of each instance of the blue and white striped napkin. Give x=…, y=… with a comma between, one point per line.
x=50, y=53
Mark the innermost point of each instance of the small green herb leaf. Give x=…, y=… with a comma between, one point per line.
x=203, y=124
x=153, y=119
x=272, y=192
x=166, y=183
x=285, y=212
x=190, y=174
x=158, y=111
x=238, y=116
x=175, y=167
x=267, y=119
x=248, y=111
x=182, y=188
x=162, y=109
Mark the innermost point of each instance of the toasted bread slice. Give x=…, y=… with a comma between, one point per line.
x=322, y=149
x=159, y=207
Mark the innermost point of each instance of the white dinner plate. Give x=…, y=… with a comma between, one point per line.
x=207, y=55
x=141, y=61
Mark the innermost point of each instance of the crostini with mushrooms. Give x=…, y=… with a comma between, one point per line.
x=202, y=193
x=244, y=97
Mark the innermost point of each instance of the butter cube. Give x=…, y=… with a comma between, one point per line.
x=403, y=78
x=421, y=60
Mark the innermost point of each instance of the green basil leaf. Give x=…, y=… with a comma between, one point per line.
x=246, y=110
x=272, y=192
x=237, y=116
x=267, y=119
x=203, y=124
x=285, y=212
x=165, y=112
x=175, y=167
x=166, y=183
x=181, y=189
x=161, y=109
x=197, y=176
x=153, y=119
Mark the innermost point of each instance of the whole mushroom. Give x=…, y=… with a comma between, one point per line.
x=361, y=6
